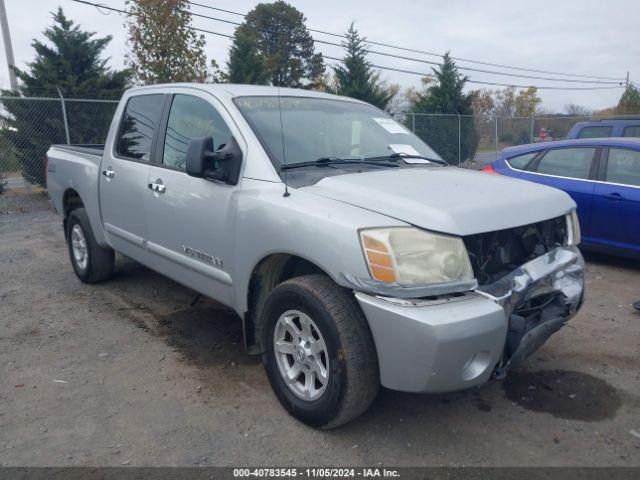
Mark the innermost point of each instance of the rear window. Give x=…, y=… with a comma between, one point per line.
x=520, y=162
x=567, y=162
x=631, y=131
x=595, y=132
x=623, y=166
x=139, y=121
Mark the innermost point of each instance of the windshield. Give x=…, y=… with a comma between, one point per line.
x=314, y=128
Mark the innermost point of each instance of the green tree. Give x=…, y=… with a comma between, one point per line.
x=446, y=96
x=629, y=103
x=245, y=65
x=526, y=102
x=164, y=46
x=69, y=63
x=280, y=38
x=356, y=78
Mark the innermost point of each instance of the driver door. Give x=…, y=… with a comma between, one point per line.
x=190, y=220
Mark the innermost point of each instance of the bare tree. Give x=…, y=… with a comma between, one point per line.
x=577, y=110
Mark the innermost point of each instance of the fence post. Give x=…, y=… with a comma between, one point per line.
x=459, y=138
x=64, y=117
x=496, y=134
x=533, y=125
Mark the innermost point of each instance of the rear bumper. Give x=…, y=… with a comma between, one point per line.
x=456, y=342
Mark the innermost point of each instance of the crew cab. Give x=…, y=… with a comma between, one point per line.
x=353, y=254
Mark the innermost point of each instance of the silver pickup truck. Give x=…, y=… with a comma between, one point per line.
x=353, y=254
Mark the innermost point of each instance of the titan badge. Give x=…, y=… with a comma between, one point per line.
x=203, y=256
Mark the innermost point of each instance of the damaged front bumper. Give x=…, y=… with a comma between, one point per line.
x=457, y=340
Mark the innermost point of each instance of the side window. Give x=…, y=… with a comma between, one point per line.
x=567, y=162
x=520, y=162
x=623, y=166
x=632, y=131
x=139, y=121
x=595, y=132
x=191, y=117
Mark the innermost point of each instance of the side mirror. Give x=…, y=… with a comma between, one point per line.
x=222, y=165
x=198, y=155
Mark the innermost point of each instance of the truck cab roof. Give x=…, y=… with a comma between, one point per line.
x=232, y=90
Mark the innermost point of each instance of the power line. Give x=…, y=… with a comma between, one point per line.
x=402, y=57
x=422, y=74
x=128, y=14
x=324, y=32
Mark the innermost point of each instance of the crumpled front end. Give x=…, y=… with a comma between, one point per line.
x=449, y=342
x=538, y=298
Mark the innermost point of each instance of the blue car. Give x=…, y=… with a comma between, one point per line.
x=606, y=127
x=602, y=175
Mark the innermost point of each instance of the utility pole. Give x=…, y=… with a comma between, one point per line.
x=6, y=36
x=627, y=82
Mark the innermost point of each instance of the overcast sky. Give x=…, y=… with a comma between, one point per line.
x=590, y=37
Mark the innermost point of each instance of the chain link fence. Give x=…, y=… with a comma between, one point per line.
x=475, y=141
x=28, y=126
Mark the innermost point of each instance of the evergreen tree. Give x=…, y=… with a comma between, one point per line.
x=69, y=63
x=164, y=46
x=281, y=41
x=356, y=78
x=629, y=103
x=446, y=97
x=245, y=65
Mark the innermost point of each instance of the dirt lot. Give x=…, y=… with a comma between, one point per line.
x=127, y=373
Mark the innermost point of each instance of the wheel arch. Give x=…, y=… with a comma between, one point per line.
x=71, y=200
x=269, y=272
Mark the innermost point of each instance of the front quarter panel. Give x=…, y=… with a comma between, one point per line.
x=320, y=230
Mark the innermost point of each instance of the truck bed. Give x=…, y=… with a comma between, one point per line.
x=90, y=148
x=75, y=170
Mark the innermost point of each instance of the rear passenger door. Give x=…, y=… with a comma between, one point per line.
x=123, y=175
x=571, y=169
x=616, y=217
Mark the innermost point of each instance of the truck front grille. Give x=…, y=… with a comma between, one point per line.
x=495, y=254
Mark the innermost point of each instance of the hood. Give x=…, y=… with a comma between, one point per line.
x=448, y=200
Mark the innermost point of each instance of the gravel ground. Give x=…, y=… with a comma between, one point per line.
x=128, y=373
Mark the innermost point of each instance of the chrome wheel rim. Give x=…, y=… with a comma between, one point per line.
x=301, y=355
x=79, y=247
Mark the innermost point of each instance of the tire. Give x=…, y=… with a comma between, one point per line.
x=97, y=263
x=353, y=378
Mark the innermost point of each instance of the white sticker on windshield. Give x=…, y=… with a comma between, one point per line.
x=390, y=125
x=407, y=150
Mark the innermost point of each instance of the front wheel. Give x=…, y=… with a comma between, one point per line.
x=319, y=355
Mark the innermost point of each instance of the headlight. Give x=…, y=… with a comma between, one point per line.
x=410, y=256
x=573, y=229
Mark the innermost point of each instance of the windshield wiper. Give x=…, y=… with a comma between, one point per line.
x=402, y=156
x=328, y=161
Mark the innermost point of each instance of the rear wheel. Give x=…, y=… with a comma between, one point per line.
x=91, y=262
x=319, y=353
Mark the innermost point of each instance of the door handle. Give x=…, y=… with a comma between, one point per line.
x=109, y=173
x=616, y=197
x=157, y=187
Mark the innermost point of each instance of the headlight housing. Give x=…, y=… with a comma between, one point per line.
x=410, y=256
x=573, y=229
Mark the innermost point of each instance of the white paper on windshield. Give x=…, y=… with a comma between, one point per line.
x=390, y=125
x=403, y=149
